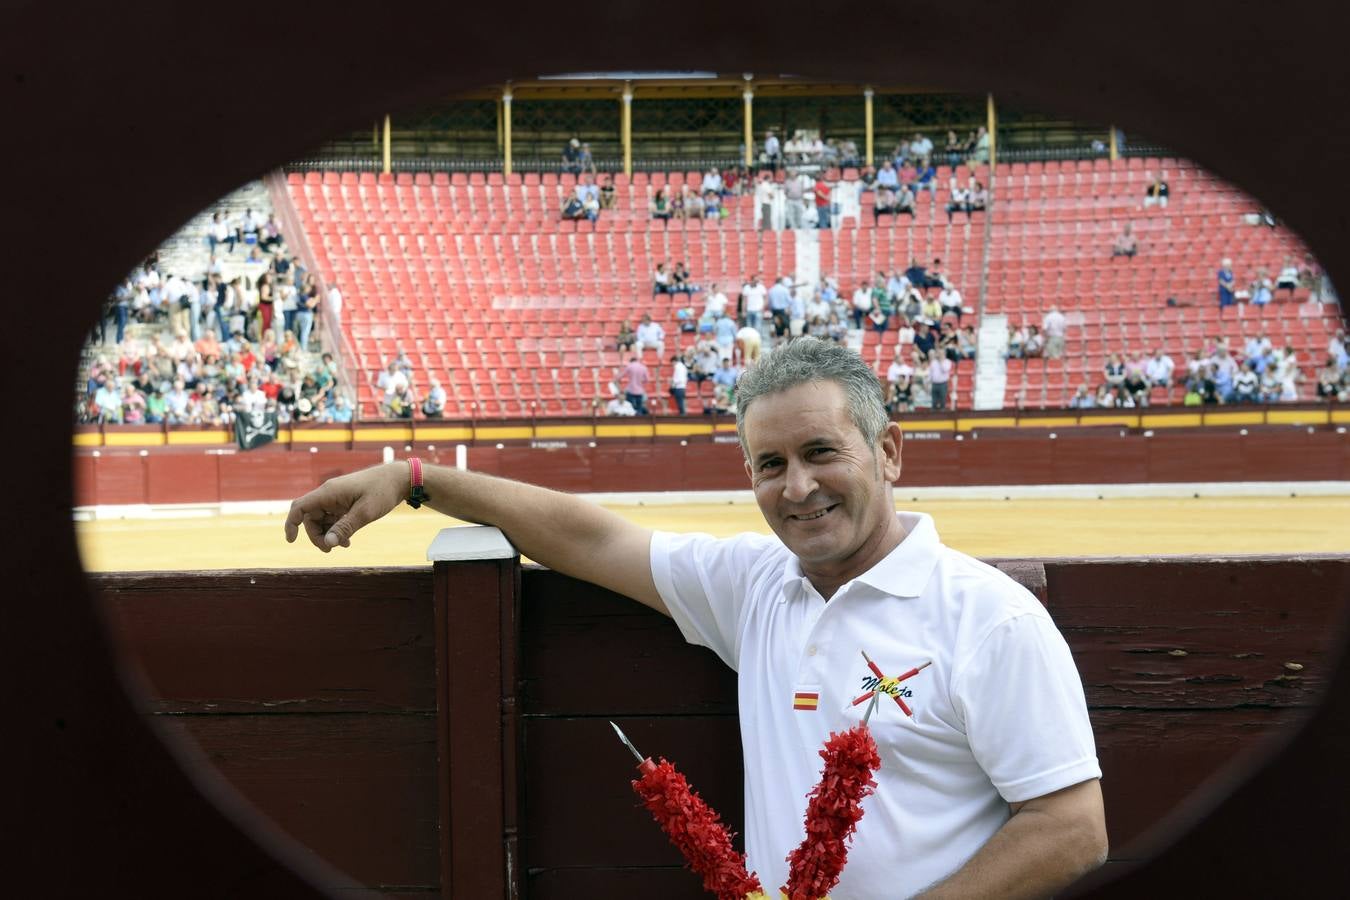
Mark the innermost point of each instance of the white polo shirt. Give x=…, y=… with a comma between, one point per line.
x=998, y=717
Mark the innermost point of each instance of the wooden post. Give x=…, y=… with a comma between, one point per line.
x=749, y=98
x=476, y=576
x=498, y=105
x=991, y=125
x=506, y=131
x=626, y=129
x=867, y=123
x=1115, y=147
x=388, y=155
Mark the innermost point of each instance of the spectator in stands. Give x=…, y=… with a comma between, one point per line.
x=574, y=207
x=1288, y=279
x=1082, y=399
x=835, y=328
x=749, y=342
x=725, y=376
x=267, y=300
x=979, y=197
x=773, y=151
x=979, y=152
x=660, y=205
x=1330, y=380
x=939, y=378
x=1105, y=398
x=1054, y=325
x=921, y=148
x=1159, y=369
x=269, y=234
x=958, y=199
x=1227, y=295
x=1338, y=347
x=794, y=194
x=585, y=159
x=1156, y=192
x=967, y=343
x=247, y=226
x=651, y=336
x=888, y=177
x=926, y=180
x=764, y=197
x=679, y=281
x=955, y=147
x=626, y=338
x=714, y=304
x=679, y=380
x=1261, y=291
x=635, y=376
x=706, y=359
x=925, y=340
x=334, y=300
x=607, y=199
x=1125, y=244
x=1033, y=347
x=821, y=191
x=712, y=181
x=930, y=310
x=433, y=406
x=1113, y=372
x=862, y=304
x=617, y=406
x=691, y=204
x=899, y=383
x=1136, y=382
x=571, y=156
x=220, y=232
x=307, y=307
x=949, y=298
x=1247, y=384
x=712, y=206
x=724, y=335
x=661, y=281
x=754, y=297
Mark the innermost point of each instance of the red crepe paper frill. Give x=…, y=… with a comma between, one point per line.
x=832, y=813
x=696, y=831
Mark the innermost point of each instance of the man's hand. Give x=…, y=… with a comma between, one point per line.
x=337, y=509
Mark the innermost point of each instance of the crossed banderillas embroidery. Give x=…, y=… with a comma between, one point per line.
x=889, y=686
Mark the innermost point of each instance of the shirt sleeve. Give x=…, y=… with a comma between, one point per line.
x=1024, y=710
x=705, y=584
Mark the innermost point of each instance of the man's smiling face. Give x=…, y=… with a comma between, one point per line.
x=823, y=490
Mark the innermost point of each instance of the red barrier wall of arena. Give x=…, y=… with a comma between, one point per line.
x=1103, y=455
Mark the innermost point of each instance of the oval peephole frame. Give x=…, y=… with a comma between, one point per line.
x=103, y=799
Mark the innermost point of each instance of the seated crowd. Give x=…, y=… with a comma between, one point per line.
x=1216, y=374
x=918, y=303
x=217, y=346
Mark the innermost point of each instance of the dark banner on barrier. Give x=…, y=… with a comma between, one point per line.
x=252, y=429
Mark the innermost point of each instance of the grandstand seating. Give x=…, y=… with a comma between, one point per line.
x=475, y=277
x=1054, y=225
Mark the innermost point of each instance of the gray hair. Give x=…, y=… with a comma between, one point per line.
x=807, y=359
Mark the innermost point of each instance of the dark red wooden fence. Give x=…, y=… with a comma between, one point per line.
x=448, y=735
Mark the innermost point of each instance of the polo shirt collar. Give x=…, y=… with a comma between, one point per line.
x=904, y=572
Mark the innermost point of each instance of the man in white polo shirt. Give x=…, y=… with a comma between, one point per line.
x=988, y=783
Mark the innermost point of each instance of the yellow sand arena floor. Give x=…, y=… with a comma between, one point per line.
x=1018, y=527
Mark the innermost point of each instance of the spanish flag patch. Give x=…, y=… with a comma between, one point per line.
x=809, y=700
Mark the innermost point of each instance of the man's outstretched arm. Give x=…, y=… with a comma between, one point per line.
x=557, y=530
x=1049, y=843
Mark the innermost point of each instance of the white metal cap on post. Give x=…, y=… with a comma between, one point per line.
x=470, y=542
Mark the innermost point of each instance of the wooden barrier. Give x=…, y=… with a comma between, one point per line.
x=446, y=733
x=1080, y=455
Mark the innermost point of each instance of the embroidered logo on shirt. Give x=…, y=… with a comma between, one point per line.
x=878, y=683
x=806, y=700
